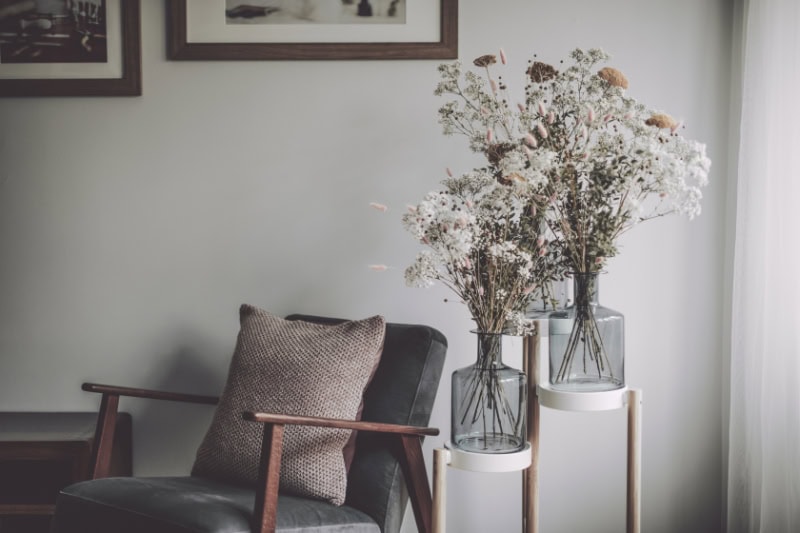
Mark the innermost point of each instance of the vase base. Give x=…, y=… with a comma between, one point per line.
x=491, y=444
x=587, y=385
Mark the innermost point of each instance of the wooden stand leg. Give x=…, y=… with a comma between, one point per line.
x=634, y=460
x=440, y=460
x=530, y=476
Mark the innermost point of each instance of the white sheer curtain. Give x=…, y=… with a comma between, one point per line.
x=764, y=458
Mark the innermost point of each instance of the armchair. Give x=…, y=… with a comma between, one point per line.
x=387, y=466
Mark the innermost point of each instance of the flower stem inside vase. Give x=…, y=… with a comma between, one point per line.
x=489, y=402
x=586, y=342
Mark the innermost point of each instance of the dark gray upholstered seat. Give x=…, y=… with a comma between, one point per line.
x=401, y=392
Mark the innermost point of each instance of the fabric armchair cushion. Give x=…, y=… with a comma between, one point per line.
x=191, y=505
x=291, y=367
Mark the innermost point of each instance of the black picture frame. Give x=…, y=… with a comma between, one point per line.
x=178, y=47
x=129, y=84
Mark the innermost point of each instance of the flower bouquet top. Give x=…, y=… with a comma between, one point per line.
x=603, y=161
x=484, y=244
x=570, y=166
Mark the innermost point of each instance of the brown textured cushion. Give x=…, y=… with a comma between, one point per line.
x=291, y=367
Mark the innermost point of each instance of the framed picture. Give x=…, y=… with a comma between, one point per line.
x=70, y=48
x=312, y=29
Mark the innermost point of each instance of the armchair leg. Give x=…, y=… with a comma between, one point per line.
x=269, y=471
x=104, y=436
x=419, y=491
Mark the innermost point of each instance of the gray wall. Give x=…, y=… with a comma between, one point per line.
x=132, y=228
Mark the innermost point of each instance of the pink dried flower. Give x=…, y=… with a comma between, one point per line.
x=449, y=172
x=542, y=108
x=521, y=108
x=379, y=268
x=493, y=85
x=489, y=135
x=590, y=116
x=551, y=117
x=503, y=56
x=529, y=289
x=542, y=131
x=379, y=207
x=531, y=141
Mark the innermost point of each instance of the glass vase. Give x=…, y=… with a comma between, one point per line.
x=587, y=342
x=489, y=402
x=553, y=298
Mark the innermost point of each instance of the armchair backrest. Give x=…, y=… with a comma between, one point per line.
x=402, y=391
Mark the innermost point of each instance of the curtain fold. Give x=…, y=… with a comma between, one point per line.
x=764, y=445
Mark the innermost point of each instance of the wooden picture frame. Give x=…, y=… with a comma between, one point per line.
x=129, y=83
x=179, y=47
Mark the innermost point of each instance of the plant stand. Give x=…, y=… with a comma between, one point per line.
x=528, y=459
x=475, y=462
x=542, y=395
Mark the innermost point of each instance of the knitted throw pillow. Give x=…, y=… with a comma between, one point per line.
x=297, y=368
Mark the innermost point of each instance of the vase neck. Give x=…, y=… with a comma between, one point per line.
x=490, y=349
x=586, y=287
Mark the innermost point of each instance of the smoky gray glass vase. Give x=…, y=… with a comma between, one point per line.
x=489, y=402
x=587, y=342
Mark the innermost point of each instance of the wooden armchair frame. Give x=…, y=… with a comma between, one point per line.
x=407, y=440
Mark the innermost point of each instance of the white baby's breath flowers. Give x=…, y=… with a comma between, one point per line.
x=569, y=167
x=605, y=161
x=476, y=231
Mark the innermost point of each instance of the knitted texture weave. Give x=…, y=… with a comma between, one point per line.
x=294, y=368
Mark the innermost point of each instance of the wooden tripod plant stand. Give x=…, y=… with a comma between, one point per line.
x=528, y=459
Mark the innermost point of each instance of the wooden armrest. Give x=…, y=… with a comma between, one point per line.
x=375, y=427
x=106, y=418
x=151, y=394
x=408, y=440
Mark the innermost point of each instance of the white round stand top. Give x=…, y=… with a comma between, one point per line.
x=582, y=401
x=488, y=462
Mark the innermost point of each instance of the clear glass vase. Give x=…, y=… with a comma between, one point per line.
x=587, y=342
x=489, y=402
x=553, y=298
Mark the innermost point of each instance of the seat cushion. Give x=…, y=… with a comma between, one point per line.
x=190, y=505
x=298, y=368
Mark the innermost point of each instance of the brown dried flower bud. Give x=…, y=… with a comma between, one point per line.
x=661, y=120
x=540, y=72
x=485, y=61
x=614, y=77
x=496, y=152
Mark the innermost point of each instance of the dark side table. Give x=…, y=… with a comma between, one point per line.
x=41, y=453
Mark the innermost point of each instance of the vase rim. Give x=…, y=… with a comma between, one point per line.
x=481, y=332
x=505, y=333
x=575, y=273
